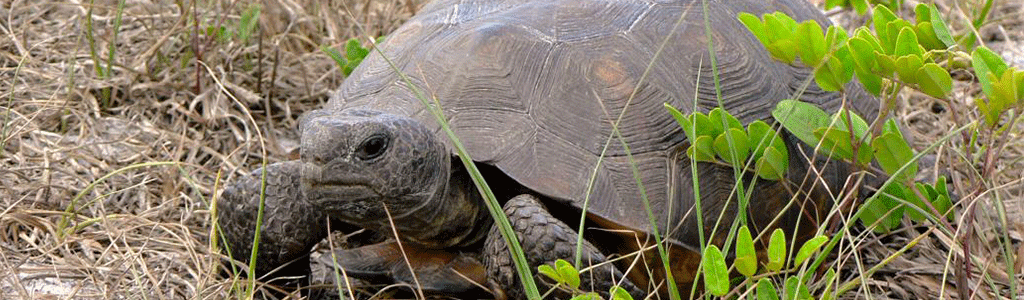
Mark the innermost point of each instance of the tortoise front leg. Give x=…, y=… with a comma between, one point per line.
x=291, y=227
x=545, y=239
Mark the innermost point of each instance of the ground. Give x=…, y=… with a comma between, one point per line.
x=120, y=129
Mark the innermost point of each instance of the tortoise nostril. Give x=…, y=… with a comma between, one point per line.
x=372, y=147
x=311, y=155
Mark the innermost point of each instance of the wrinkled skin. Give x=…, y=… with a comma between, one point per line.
x=363, y=166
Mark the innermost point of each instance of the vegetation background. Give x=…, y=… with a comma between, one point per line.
x=122, y=119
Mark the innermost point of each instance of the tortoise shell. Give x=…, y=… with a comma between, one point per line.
x=534, y=88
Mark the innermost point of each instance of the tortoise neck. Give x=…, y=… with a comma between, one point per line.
x=455, y=216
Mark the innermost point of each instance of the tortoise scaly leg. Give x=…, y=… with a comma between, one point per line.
x=291, y=227
x=545, y=239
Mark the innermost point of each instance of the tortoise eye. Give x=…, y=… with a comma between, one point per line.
x=372, y=147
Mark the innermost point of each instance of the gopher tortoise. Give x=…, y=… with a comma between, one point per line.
x=532, y=88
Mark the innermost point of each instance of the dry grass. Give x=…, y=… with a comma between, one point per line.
x=143, y=232
x=109, y=197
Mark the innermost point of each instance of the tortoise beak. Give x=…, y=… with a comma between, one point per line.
x=330, y=189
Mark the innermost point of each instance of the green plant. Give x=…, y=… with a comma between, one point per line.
x=717, y=280
x=711, y=140
x=861, y=6
x=98, y=65
x=567, y=277
x=354, y=54
x=900, y=54
x=897, y=54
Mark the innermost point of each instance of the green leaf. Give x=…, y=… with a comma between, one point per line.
x=758, y=134
x=796, y=290
x=716, y=115
x=892, y=153
x=354, y=53
x=926, y=36
x=336, y=56
x=915, y=213
x=921, y=13
x=830, y=4
x=702, y=149
x=739, y=142
x=844, y=120
x=939, y=26
x=780, y=22
x=841, y=60
x=354, y=50
x=883, y=212
x=931, y=29
x=1018, y=84
x=871, y=82
x=784, y=51
x=716, y=274
x=863, y=54
x=890, y=127
x=886, y=64
x=587, y=296
x=837, y=143
x=940, y=186
x=800, y=119
x=782, y=45
x=928, y=190
x=944, y=206
x=990, y=112
x=907, y=66
x=550, y=273
x=906, y=40
x=864, y=34
x=881, y=17
x=861, y=6
x=773, y=164
x=830, y=275
x=811, y=43
x=763, y=137
x=809, y=248
x=746, y=255
x=776, y=251
x=987, y=62
x=1008, y=90
x=569, y=273
x=619, y=293
x=755, y=25
x=703, y=124
x=247, y=22
x=934, y=80
x=942, y=201
x=829, y=77
x=766, y=290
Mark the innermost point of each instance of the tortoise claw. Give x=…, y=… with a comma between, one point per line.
x=430, y=270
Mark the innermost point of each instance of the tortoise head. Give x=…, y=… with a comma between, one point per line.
x=357, y=162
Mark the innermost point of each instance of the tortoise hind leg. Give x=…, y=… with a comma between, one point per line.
x=545, y=239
